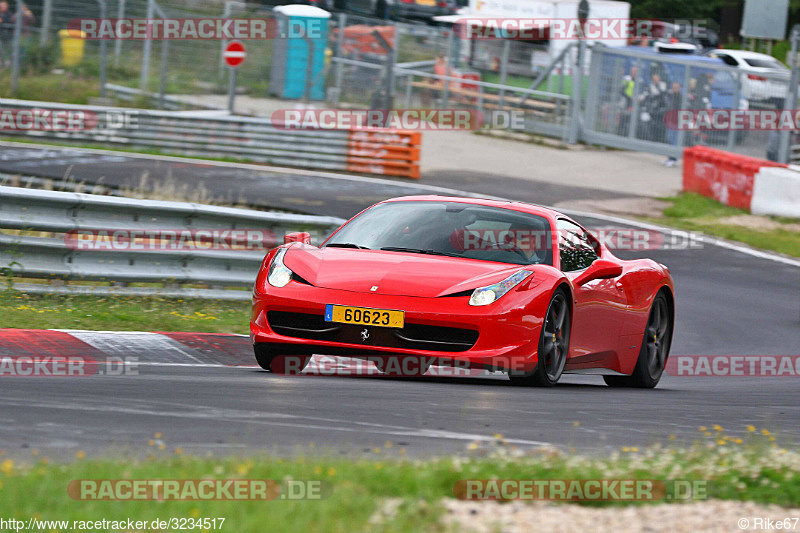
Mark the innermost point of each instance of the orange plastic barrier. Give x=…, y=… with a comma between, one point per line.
x=384, y=152
x=724, y=176
x=359, y=39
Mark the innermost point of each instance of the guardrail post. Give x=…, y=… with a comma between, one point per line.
x=103, y=50
x=118, y=42
x=446, y=93
x=148, y=45
x=339, y=75
x=687, y=79
x=577, y=94
x=503, y=73
x=737, y=95
x=592, y=96
x=226, y=13
x=47, y=17
x=16, y=51
x=790, y=101
x=162, y=85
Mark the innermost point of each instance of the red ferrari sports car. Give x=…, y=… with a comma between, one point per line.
x=462, y=281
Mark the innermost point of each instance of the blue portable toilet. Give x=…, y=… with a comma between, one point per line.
x=299, y=52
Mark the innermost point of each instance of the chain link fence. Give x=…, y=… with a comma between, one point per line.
x=636, y=95
x=623, y=100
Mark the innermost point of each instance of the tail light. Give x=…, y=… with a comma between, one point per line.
x=756, y=78
x=407, y=1
x=443, y=3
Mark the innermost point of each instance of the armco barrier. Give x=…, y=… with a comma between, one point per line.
x=47, y=257
x=378, y=152
x=776, y=191
x=724, y=176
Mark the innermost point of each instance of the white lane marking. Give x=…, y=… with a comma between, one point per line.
x=137, y=332
x=134, y=344
x=268, y=419
x=432, y=188
x=671, y=231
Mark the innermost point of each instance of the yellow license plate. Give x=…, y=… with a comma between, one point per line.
x=426, y=2
x=364, y=316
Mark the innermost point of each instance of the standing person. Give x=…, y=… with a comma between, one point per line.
x=28, y=21
x=700, y=99
x=628, y=90
x=654, y=108
x=673, y=102
x=6, y=34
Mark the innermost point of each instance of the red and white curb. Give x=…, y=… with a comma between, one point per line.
x=155, y=349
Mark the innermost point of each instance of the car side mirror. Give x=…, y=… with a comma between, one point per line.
x=297, y=236
x=600, y=269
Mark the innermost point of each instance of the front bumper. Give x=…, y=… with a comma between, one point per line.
x=507, y=331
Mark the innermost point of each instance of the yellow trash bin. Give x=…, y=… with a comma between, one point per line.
x=71, y=47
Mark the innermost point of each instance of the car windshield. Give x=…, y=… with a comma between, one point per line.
x=764, y=63
x=452, y=229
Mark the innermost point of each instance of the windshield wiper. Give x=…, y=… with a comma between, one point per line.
x=346, y=245
x=419, y=251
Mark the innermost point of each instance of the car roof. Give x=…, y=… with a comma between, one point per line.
x=502, y=204
x=687, y=58
x=742, y=53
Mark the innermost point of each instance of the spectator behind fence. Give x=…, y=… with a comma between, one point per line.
x=654, y=104
x=674, y=100
x=628, y=91
x=700, y=99
x=28, y=20
x=6, y=34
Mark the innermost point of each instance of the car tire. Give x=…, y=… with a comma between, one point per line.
x=654, y=352
x=268, y=358
x=553, y=346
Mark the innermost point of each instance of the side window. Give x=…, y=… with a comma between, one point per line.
x=728, y=60
x=574, y=246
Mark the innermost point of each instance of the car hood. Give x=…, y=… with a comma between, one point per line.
x=393, y=273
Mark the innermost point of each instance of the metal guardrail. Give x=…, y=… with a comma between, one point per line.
x=129, y=94
x=61, y=212
x=381, y=152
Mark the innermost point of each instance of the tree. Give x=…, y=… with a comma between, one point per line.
x=681, y=9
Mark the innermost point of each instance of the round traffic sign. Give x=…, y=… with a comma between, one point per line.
x=234, y=53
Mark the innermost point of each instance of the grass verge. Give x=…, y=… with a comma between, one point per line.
x=695, y=212
x=122, y=313
x=748, y=468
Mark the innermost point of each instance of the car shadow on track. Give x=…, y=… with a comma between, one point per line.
x=484, y=381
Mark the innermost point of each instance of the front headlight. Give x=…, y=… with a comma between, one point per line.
x=279, y=274
x=492, y=293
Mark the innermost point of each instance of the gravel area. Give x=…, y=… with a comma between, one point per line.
x=710, y=516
